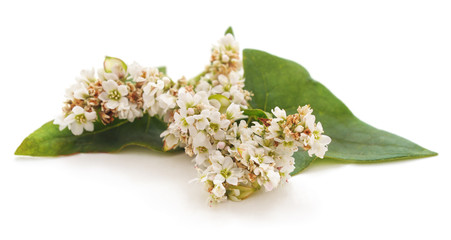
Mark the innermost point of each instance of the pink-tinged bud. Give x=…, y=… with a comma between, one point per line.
x=221, y=145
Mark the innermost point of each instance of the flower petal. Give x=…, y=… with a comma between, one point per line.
x=109, y=85
x=104, y=96
x=77, y=129
x=123, y=90
x=232, y=180
x=219, y=179
x=228, y=163
x=90, y=116
x=78, y=110
x=111, y=104
x=89, y=126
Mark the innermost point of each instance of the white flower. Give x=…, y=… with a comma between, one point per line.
x=260, y=156
x=201, y=146
x=305, y=110
x=129, y=112
x=203, y=86
x=274, y=130
x=81, y=92
x=104, y=76
x=239, y=133
x=234, y=112
x=285, y=164
x=237, y=95
x=141, y=74
x=231, y=87
x=79, y=119
x=225, y=169
x=166, y=101
x=228, y=43
x=70, y=92
x=114, y=95
x=217, y=125
x=218, y=190
x=202, y=120
x=318, y=142
x=257, y=128
x=59, y=120
x=273, y=179
x=150, y=92
x=226, y=83
x=87, y=76
x=136, y=72
x=187, y=100
x=182, y=121
x=279, y=113
x=310, y=122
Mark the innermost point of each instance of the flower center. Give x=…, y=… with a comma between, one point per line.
x=227, y=87
x=229, y=115
x=214, y=126
x=316, y=134
x=114, y=95
x=80, y=118
x=202, y=149
x=184, y=122
x=226, y=173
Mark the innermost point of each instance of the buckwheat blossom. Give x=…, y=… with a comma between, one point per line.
x=120, y=92
x=87, y=76
x=59, y=120
x=114, y=95
x=130, y=112
x=234, y=159
x=205, y=116
x=80, y=120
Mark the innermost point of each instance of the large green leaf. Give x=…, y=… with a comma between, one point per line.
x=279, y=82
x=48, y=140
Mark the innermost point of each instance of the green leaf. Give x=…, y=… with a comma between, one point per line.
x=279, y=82
x=302, y=161
x=229, y=30
x=257, y=113
x=48, y=140
x=162, y=69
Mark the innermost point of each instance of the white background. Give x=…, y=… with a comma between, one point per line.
x=389, y=61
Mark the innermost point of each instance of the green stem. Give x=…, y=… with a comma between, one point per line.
x=196, y=79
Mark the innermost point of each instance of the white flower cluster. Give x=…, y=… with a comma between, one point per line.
x=118, y=91
x=205, y=117
x=234, y=160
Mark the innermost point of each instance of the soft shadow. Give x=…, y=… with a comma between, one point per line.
x=172, y=171
x=327, y=164
x=320, y=165
x=133, y=163
x=276, y=206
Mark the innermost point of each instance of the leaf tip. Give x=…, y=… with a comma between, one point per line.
x=23, y=149
x=432, y=153
x=162, y=69
x=229, y=30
